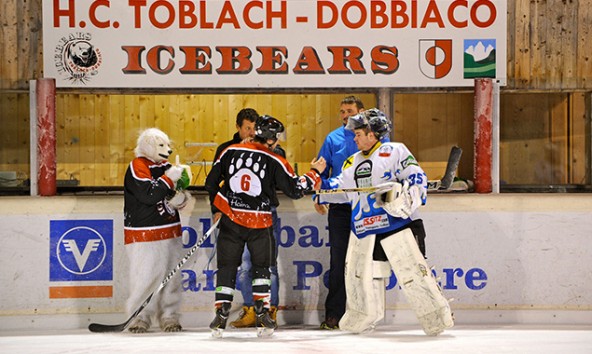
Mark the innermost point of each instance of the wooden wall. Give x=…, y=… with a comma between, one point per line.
x=545, y=107
x=549, y=44
x=542, y=143
x=96, y=133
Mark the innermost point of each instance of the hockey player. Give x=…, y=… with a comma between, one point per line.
x=383, y=230
x=245, y=126
x=242, y=185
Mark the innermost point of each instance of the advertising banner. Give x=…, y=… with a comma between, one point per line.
x=273, y=43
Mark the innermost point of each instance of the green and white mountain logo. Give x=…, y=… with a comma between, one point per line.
x=479, y=58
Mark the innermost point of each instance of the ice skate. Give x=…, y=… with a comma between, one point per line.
x=265, y=325
x=218, y=325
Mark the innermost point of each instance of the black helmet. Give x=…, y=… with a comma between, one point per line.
x=267, y=127
x=374, y=119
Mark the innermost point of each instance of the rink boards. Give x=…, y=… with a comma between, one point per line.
x=509, y=257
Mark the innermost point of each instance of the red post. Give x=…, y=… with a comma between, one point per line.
x=46, y=137
x=482, y=140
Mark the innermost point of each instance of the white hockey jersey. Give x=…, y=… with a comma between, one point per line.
x=386, y=162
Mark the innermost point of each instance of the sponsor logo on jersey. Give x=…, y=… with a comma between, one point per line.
x=410, y=160
x=348, y=162
x=371, y=223
x=363, y=174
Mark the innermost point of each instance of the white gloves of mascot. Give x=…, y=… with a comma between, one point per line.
x=181, y=176
x=399, y=200
x=180, y=199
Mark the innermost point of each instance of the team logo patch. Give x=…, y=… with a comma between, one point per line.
x=246, y=174
x=385, y=151
x=76, y=58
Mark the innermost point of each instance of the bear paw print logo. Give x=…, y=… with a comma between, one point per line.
x=246, y=173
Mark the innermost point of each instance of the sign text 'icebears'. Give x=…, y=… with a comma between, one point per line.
x=272, y=43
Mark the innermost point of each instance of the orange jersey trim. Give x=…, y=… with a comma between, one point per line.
x=152, y=233
x=252, y=219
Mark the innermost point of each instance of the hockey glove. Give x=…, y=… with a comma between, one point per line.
x=310, y=180
x=405, y=200
x=386, y=192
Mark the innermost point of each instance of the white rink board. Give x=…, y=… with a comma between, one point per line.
x=497, y=255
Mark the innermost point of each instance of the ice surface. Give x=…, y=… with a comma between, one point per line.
x=309, y=339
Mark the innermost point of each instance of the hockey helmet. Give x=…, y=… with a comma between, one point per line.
x=268, y=128
x=374, y=119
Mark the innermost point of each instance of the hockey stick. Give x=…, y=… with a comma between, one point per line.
x=451, y=167
x=97, y=327
x=433, y=185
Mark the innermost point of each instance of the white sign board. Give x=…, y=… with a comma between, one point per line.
x=273, y=43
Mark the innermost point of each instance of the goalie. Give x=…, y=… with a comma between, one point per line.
x=386, y=232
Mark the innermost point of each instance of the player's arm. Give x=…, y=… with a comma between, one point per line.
x=295, y=186
x=213, y=183
x=410, y=191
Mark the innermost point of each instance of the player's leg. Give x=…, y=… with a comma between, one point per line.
x=275, y=280
x=261, y=244
x=228, y=252
x=365, y=284
x=247, y=315
x=339, y=228
x=417, y=281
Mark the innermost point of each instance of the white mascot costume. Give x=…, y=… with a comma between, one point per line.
x=154, y=193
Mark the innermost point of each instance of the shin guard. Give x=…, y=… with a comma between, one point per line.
x=365, y=293
x=418, y=283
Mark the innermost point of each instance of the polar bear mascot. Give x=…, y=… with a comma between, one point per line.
x=154, y=194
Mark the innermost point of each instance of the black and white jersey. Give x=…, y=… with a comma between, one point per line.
x=243, y=180
x=147, y=215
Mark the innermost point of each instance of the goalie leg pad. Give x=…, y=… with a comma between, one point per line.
x=365, y=294
x=418, y=283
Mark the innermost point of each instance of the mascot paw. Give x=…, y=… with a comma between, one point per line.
x=174, y=173
x=139, y=326
x=179, y=200
x=171, y=325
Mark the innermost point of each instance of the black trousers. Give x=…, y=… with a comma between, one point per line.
x=418, y=231
x=230, y=246
x=339, y=218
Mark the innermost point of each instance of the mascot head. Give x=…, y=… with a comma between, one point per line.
x=153, y=144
